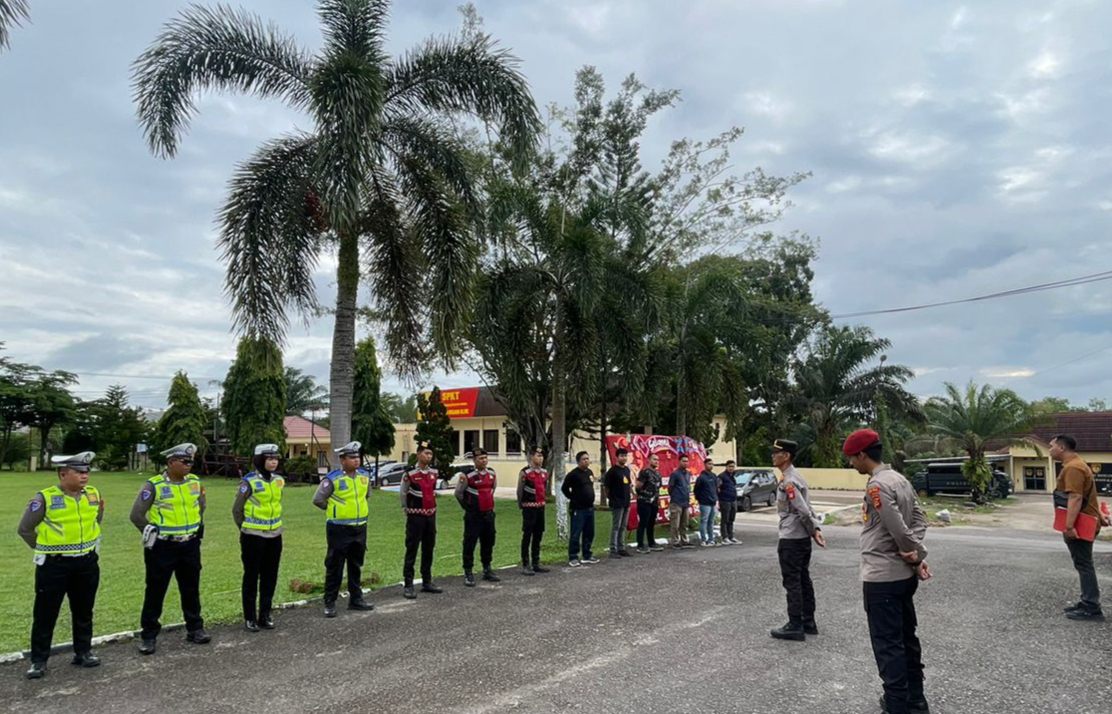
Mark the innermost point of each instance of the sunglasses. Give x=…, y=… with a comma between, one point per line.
x=187, y=462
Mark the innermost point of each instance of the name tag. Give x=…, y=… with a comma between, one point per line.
x=165, y=492
x=341, y=485
x=57, y=502
x=260, y=486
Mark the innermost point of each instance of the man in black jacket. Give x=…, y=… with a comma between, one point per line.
x=648, y=504
x=579, y=488
x=618, y=492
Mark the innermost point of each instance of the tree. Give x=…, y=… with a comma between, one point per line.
x=381, y=174
x=254, y=402
x=50, y=404
x=434, y=428
x=18, y=451
x=16, y=379
x=370, y=422
x=184, y=419
x=302, y=392
x=975, y=418
x=402, y=410
x=12, y=14
x=837, y=387
x=1049, y=406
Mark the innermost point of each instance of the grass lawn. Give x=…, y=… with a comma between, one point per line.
x=120, y=596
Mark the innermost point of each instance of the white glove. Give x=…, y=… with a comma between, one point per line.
x=150, y=535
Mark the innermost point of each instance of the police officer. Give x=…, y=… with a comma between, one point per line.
x=796, y=530
x=418, y=496
x=62, y=525
x=532, y=494
x=892, y=564
x=257, y=512
x=169, y=511
x=344, y=495
x=475, y=492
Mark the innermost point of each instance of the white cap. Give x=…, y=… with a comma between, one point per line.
x=181, y=451
x=77, y=462
x=267, y=449
x=349, y=449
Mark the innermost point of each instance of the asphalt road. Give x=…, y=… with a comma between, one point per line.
x=674, y=631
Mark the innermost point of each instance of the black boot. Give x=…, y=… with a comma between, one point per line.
x=810, y=628
x=916, y=706
x=330, y=609
x=469, y=579
x=490, y=577
x=526, y=569
x=266, y=622
x=409, y=593
x=538, y=568
x=37, y=670
x=148, y=646
x=360, y=604
x=86, y=659
x=251, y=625
x=428, y=587
x=198, y=637
x=790, y=631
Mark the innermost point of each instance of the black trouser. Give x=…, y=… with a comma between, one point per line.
x=795, y=561
x=646, y=523
x=532, y=530
x=478, y=527
x=260, y=558
x=728, y=509
x=346, y=546
x=182, y=561
x=57, y=578
x=1081, y=552
x=890, y=608
x=420, y=531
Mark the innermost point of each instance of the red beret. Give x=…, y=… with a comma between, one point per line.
x=860, y=440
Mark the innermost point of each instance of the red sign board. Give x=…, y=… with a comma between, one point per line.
x=460, y=403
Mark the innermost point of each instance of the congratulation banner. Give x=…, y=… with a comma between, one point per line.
x=668, y=449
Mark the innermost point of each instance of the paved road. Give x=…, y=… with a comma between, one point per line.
x=675, y=631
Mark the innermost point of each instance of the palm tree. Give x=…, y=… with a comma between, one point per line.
x=12, y=13
x=974, y=418
x=302, y=392
x=382, y=178
x=836, y=388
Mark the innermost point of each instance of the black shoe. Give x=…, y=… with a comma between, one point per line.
x=250, y=625
x=266, y=622
x=37, y=670
x=810, y=628
x=469, y=579
x=330, y=609
x=1086, y=614
x=918, y=706
x=625, y=553
x=538, y=568
x=198, y=637
x=527, y=570
x=430, y=588
x=148, y=647
x=490, y=577
x=789, y=632
x=360, y=604
x=1073, y=607
x=86, y=660
x=409, y=593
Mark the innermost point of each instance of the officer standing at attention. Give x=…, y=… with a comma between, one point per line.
x=475, y=493
x=169, y=511
x=257, y=512
x=892, y=564
x=418, y=495
x=62, y=525
x=532, y=494
x=344, y=495
x=797, y=529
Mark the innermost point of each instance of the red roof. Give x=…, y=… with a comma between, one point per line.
x=1093, y=430
x=300, y=428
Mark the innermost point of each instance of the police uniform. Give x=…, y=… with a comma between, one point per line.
x=532, y=493
x=169, y=512
x=893, y=523
x=344, y=497
x=257, y=512
x=63, y=528
x=418, y=497
x=796, y=529
x=475, y=493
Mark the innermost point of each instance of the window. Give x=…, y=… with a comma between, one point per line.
x=1034, y=478
x=490, y=440
x=470, y=440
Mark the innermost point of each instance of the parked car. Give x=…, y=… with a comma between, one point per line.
x=757, y=486
x=390, y=474
x=948, y=478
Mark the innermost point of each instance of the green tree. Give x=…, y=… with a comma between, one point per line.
x=16, y=380
x=183, y=421
x=402, y=410
x=50, y=405
x=12, y=14
x=434, y=427
x=1048, y=406
x=370, y=421
x=381, y=174
x=973, y=418
x=302, y=392
x=254, y=402
x=110, y=426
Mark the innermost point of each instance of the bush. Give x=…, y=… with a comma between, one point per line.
x=301, y=469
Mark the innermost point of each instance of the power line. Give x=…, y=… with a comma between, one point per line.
x=1070, y=282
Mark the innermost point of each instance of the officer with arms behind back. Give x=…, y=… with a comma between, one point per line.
x=169, y=511
x=475, y=492
x=62, y=524
x=344, y=495
x=418, y=496
x=797, y=529
x=257, y=512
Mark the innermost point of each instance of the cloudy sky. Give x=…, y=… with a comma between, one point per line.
x=956, y=150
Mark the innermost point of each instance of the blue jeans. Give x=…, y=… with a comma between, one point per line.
x=582, y=531
x=706, y=523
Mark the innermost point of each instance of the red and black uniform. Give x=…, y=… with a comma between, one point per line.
x=420, y=523
x=478, y=518
x=531, y=500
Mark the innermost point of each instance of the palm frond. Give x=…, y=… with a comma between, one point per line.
x=12, y=14
x=354, y=27
x=221, y=49
x=429, y=144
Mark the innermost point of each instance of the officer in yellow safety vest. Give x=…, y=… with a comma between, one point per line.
x=169, y=511
x=344, y=495
x=257, y=512
x=62, y=524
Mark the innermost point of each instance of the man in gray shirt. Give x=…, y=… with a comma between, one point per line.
x=796, y=530
x=893, y=561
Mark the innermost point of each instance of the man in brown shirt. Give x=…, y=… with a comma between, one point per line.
x=1076, y=490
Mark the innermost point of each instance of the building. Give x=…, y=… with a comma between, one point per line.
x=1030, y=465
x=307, y=438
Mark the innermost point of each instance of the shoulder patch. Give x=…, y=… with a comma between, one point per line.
x=874, y=496
x=325, y=482
x=146, y=494
x=34, y=505
x=243, y=488
x=791, y=492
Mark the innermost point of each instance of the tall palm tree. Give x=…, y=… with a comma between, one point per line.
x=974, y=418
x=381, y=178
x=302, y=392
x=12, y=13
x=837, y=387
